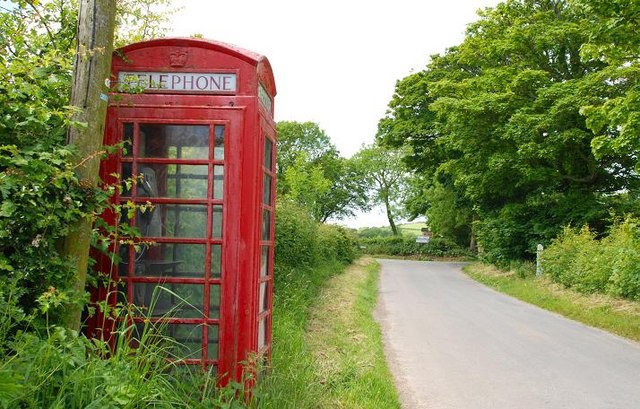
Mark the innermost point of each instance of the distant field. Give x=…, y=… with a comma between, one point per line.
x=408, y=229
x=412, y=229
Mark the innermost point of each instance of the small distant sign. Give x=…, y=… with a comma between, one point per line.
x=422, y=239
x=189, y=82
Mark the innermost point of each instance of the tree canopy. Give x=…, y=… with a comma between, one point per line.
x=527, y=125
x=311, y=172
x=385, y=178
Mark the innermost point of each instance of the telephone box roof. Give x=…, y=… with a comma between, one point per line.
x=258, y=60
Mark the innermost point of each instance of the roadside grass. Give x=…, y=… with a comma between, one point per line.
x=346, y=341
x=290, y=380
x=621, y=317
x=327, y=348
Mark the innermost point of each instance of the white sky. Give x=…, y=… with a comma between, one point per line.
x=335, y=62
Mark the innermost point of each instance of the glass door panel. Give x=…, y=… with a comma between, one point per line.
x=176, y=176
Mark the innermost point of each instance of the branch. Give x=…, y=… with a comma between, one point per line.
x=587, y=179
x=44, y=23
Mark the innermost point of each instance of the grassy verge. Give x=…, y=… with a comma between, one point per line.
x=330, y=355
x=346, y=341
x=618, y=316
x=291, y=380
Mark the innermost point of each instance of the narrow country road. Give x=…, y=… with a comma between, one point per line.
x=453, y=343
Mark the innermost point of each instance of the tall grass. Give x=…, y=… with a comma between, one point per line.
x=347, y=341
x=61, y=369
x=291, y=380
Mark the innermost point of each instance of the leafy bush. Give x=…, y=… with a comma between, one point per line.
x=296, y=242
x=579, y=260
x=302, y=248
x=514, y=231
x=367, y=232
x=592, y=267
x=502, y=239
x=624, y=246
x=337, y=243
x=40, y=198
x=407, y=246
x=559, y=259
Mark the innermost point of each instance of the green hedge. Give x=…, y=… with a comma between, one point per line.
x=407, y=246
x=302, y=242
x=40, y=197
x=578, y=259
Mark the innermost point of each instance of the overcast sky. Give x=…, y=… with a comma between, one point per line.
x=335, y=62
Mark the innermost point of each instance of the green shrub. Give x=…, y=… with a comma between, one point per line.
x=591, y=269
x=407, y=246
x=504, y=237
x=296, y=241
x=303, y=247
x=579, y=260
x=40, y=197
x=559, y=258
x=337, y=243
x=624, y=246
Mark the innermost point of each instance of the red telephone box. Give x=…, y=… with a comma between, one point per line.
x=196, y=118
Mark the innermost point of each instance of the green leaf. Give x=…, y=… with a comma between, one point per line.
x=7, y=208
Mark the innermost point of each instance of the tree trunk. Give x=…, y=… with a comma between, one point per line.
x=387, y=206
x=473, y=246
x=96, y=22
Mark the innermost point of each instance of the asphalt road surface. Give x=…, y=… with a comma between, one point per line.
x=453, y=343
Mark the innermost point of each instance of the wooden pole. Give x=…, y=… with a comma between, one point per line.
x=96, y=22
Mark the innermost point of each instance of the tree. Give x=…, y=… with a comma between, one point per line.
x=347, y=192
x=501, y=117
x=311, y=171
x=301, y=138
x=612, y=41
x=306, y=185
x=138, y=20
x=410, y=123
x=37, y=42
x=384, y=175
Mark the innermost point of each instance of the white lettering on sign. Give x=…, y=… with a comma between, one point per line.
x=177, y=81
x=264, y=97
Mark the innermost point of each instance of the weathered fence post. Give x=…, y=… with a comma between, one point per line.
x=539, y=260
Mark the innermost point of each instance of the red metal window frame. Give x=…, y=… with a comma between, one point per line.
x=267, y=279
x=207, y=281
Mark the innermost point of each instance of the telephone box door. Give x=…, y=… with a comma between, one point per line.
x=176, y=274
